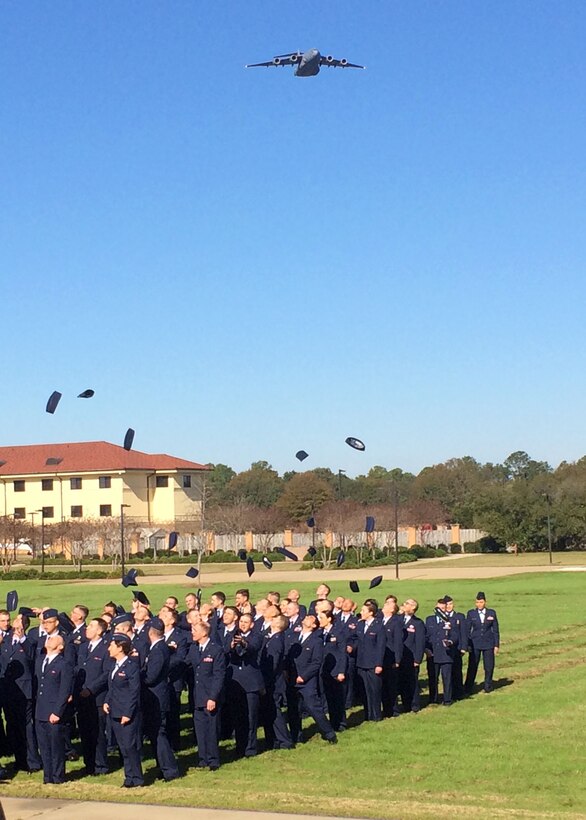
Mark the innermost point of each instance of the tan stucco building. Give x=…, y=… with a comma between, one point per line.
x=93, y=479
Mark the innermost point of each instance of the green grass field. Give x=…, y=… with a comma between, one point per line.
x=518, y=752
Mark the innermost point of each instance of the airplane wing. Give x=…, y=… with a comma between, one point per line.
x=278, y=60
x=331, y=62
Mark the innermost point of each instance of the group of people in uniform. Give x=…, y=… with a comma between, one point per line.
x=117, y=679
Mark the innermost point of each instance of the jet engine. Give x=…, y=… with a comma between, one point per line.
x=295, y=58
x=329, y=59
x=277, y=61
x=343, y=61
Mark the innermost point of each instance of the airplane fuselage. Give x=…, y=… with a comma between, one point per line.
x=309, y=64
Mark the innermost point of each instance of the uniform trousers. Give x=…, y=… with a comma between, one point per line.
x=155, y=728
x=207, y=726
x=277, y=735
x=444, y=670
x=335, y=692
x=51, y=737
x=20, y=730
x=245, y=709
x=409, y=686
x=390, y=687
x=91, y=720
x=372, y=685
x=474, y=661
x=308, y=697
x=128, y=739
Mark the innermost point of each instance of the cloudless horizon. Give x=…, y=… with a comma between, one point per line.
x=242, y=263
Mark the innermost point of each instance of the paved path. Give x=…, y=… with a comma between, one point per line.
x=20, y=808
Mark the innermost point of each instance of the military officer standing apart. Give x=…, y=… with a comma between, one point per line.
x=122, y=704
x=484, y=640
x=208, y=661
x=55, y=682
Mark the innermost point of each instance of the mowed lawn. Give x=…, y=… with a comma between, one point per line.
x=520, y=751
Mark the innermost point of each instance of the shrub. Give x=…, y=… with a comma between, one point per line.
x=470, y=547
x=455, y=549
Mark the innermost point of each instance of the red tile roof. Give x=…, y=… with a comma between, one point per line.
x=83, y=457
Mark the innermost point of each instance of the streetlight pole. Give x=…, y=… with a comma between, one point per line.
x=342, y=537
x=32, y=515
x=122, y=551
x=548, y=499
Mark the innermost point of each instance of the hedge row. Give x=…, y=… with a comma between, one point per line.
x=33, y=575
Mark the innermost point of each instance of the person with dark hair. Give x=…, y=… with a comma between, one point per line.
x=483, y=639
x=305, y=658
x=89, y=694
x=273, y=700
x=334, y=667
x=156, y=701
x=370, y=653
x=393, y=628
x=17, y=666
x=413, y=652
x=245, y=683
x=122, y=703
x=443, y=639
x=459, y=620
x=178, y=642
x=322, y=594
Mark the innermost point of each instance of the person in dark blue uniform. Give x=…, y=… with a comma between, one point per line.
x=208, y=661
x=140, y=639
x=17, y=678
x=393, y=629
x=55, y=685
x=459, y=620
x=155, y=699
x=334, y=667
x=370, y=653
x=89, y=694
x=304, y=661
x=432, y=679
x=178, y=641
x=273, y=701
x=350, y=621
x=245, y=685
x=122, y=704
x=483, y=641
x=413, y=651
x=322, y=594
x=443, y=641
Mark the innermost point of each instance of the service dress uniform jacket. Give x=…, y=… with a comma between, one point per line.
x=393, y=629
x=483, y=637
x=335, y=663
x=305, y=662
x=156, y=704
x=245, y=683
x=370, y=654
x=413, y=651
x=17, y=681
x=272, y=667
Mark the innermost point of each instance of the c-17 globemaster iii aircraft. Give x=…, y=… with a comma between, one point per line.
x=307, y=64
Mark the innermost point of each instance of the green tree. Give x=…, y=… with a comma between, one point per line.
x=217, y=482
x=259, y=486
x=304, y=493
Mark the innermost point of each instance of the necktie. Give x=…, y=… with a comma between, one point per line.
x=44, y=666
x=116, y=668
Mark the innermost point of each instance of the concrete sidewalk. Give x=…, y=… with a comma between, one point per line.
x=20, y=808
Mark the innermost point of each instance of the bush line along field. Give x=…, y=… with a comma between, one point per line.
x=519, y=751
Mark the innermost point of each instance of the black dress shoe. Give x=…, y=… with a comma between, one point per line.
x=332, y=740
x=214, y=768
x=72, y=757
x=132, y=785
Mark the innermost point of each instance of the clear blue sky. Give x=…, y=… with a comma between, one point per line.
x=243, y=263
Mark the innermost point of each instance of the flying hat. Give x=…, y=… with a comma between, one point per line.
x=242, y=554
x=310, y=522
x=369, y=526
x=375, y=581
x=26, y=610
x=129, y=579
x=141, y=597
x=341, y=558
x=192, y=572
x=86, y=394
x=12, y=600
x=128, y=439
x=354, y=586
x=249, y=566
x=267, y=562
x=173, y=536
x=53, y=401
x=312, y=551
x=355, y=443
x=287, y=553
x=65, y=623
x=301, y=455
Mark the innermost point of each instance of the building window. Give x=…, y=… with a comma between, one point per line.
x=19, y=512
x=160, y=481
x=105, y=510
x=48, y=512
x=105, y=482
x=77, y=511
x=186, y=482
x=19, y=486
x=75, y=483
x=47, y=484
